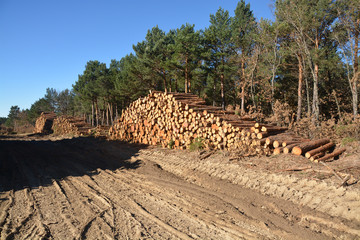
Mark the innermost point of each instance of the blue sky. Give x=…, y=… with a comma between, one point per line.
x=47, y=43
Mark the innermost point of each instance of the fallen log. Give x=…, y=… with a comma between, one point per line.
x=319, y=149
x=307, y=146
x=316, y=156
x=329, y=156
x=289, y=148
x=278, y=150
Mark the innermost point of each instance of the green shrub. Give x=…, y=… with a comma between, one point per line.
x=197, y=144
x=345, y=141
x=171, y=144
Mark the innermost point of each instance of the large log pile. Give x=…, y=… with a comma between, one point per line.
x=44, y=123
x=67, y=125
x=178, y=120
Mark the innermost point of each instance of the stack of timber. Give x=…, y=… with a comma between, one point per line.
x=177, y=120
x=320, y=150
x=44, y=123
x=67, y=125
x=99, y=131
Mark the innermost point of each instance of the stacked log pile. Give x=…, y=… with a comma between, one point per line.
x=177, y=120
x=67, y=125
x=320, y=150
x=99, y=131
x=44, y=123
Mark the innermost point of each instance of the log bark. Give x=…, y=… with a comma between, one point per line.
x=319, y=149
x=329, y=156
x=307, y=146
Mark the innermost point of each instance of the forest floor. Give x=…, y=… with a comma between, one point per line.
x=87, y=188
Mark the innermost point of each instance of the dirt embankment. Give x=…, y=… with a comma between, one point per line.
x=95, y=189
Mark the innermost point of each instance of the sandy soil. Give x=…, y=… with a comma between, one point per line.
x=84, y=188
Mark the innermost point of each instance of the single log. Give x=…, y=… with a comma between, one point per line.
x=286, y=143
x=289, y=148
x=329, y=156
x=273, y=129
x=278, y=150
x=319, y=149
x=262, y=135
x=307, y=146
x=316, y=156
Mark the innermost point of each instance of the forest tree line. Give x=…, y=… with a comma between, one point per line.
x=307, y=58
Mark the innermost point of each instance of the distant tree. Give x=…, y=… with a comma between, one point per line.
x=218, y=49
x=311, y=21
x=88, y=88
x=187, y=53
x=51, y=96
x=12, y=116
x=39, y=106
x=65, y=102
x=2, y=120
x=347, y=31
x=243, y=35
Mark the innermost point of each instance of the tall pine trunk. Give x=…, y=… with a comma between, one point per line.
x=243, y=87
x=300, y=66
x=97, y=112
x=186, y=76
x=315, y=105
x=356, y=74
x=92, y=113
x=222, y=91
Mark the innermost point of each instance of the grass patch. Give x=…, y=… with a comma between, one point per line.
x=171, y=144
x=347, y=140
x=197, y=144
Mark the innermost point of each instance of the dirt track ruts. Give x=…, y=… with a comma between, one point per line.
x=94, y=189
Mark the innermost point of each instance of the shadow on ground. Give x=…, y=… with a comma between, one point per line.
x=37, y=163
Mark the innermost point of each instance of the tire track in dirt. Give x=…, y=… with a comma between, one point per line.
x=319, y=196
x=89, y=189
x=188, y=202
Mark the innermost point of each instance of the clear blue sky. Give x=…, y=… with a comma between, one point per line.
x=47, y=43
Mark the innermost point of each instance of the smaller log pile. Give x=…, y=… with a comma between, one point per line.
x=99, y=131
x=67, y=125
x=44, y=123
x=320, y=150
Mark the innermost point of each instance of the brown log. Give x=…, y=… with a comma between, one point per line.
x=278, y=150
x=307, y=146
x=262, y=135
x=329, y=156
x=273, y=129
x=286, y=143
x=319, y=149
x=316, y=156
x=289, y=148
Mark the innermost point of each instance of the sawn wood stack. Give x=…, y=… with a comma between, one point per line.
x=44, y=122
x=178, y=120
x=67, y=125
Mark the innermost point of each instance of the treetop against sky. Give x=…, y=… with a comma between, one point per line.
x=48, y=43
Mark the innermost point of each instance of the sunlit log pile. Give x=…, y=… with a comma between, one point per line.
x=178, y=120
x=67, y=125
x=44, y=122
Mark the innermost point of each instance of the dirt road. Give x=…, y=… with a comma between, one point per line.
x=86, y=188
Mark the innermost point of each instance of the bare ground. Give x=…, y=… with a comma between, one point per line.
x=84, y=188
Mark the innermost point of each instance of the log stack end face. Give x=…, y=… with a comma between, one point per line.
x=178, y=120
